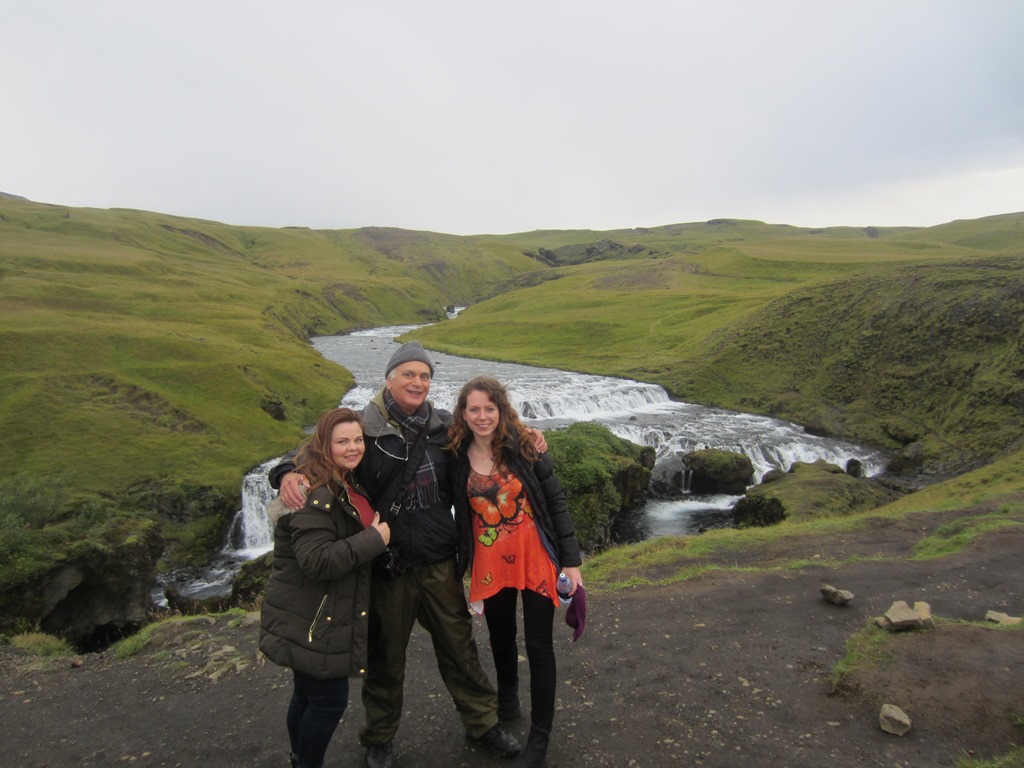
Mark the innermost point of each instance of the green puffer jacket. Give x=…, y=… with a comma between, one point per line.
x=314, y=616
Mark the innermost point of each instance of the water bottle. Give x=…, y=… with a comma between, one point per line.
x=564, y=587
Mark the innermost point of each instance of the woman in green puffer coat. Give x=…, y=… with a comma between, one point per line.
x=314, y=616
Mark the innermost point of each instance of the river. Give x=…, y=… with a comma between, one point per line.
x=549, y=398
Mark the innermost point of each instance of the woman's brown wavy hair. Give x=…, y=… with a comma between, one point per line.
x=510, y=426
x=314, y=457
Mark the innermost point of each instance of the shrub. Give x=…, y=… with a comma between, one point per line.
x=35, y=501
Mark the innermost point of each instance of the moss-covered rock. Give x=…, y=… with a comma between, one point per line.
x=806, y=492
x=717, y=471
x=83, y=586
x=195, y=518
x=603, y=476
x=248, y=584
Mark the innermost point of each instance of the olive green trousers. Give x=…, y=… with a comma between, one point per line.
x=435, y=598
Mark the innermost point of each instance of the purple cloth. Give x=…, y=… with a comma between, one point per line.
x=576, y=613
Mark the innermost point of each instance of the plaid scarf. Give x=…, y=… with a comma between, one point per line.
x=423, y=490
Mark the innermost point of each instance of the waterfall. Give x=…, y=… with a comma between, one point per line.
x=675, y=429
x=251, y=533
x=553, y=396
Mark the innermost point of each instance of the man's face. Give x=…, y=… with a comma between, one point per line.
x=409, y=384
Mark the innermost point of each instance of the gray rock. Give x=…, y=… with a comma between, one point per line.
x=1002, y=618
x=716, y=471
x=924, y=611
x=99, y=590
x=837, y=596
x=901, y=616
x=892, y=719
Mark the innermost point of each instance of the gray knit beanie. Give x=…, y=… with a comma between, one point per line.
x=411, y=350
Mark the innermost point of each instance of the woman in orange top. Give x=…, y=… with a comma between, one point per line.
x=517, y=531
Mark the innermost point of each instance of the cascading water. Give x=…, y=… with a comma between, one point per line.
x=550, y=398
x=250, y=534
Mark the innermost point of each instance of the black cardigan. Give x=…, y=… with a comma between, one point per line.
x=543, y=490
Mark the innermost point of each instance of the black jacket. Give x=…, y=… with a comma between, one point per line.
x=314, y=614
x=423, y=537
x=543, y=490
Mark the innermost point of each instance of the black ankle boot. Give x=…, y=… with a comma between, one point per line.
x=535, y=753
x=508, y=704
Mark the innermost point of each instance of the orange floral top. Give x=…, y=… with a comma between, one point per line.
x=507, y=547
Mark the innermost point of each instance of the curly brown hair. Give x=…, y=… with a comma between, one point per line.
x=314, y=457
x=510, y=426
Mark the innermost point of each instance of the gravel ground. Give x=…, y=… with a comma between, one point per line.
x=729, y=669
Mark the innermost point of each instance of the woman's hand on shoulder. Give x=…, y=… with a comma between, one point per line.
x=539, y=441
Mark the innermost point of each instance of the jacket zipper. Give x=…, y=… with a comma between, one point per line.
x=316, y=618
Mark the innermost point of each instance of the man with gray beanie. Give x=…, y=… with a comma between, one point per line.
x=404, y=471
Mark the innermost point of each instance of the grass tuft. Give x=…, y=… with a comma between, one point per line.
x=958, y=534
x=1013, y=759
x=134, y=644
x=43, y=645
x=866, y=647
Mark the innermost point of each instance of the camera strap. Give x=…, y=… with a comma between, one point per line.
x=412, y=463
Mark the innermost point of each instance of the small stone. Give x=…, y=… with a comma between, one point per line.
x=836, y=596
x=902, y=616
x=1002, y=618
x=892, y=719
x=216, y=674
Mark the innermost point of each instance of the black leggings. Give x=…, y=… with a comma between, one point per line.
x=538, y=619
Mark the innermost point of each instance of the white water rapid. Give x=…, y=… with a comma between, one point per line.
x=549, y=398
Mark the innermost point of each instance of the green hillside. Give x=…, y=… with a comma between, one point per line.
x=139, y=348
x=909, y=339
x=147, y=356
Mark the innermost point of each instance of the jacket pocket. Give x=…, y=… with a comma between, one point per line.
x=316, y=619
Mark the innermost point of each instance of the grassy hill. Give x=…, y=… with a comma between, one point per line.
x=143, y=354
x=139, y=347
x=907, y=338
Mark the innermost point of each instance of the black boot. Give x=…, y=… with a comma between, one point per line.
x=508, y=704
x=380, y=756
x=498, y=740
x=535, y=754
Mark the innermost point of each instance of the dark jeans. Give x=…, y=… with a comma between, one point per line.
x=538, y=620
x=313, y=714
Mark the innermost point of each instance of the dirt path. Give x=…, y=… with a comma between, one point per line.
x=730, y=669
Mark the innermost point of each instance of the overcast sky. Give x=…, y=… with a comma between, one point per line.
x=478, y=116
